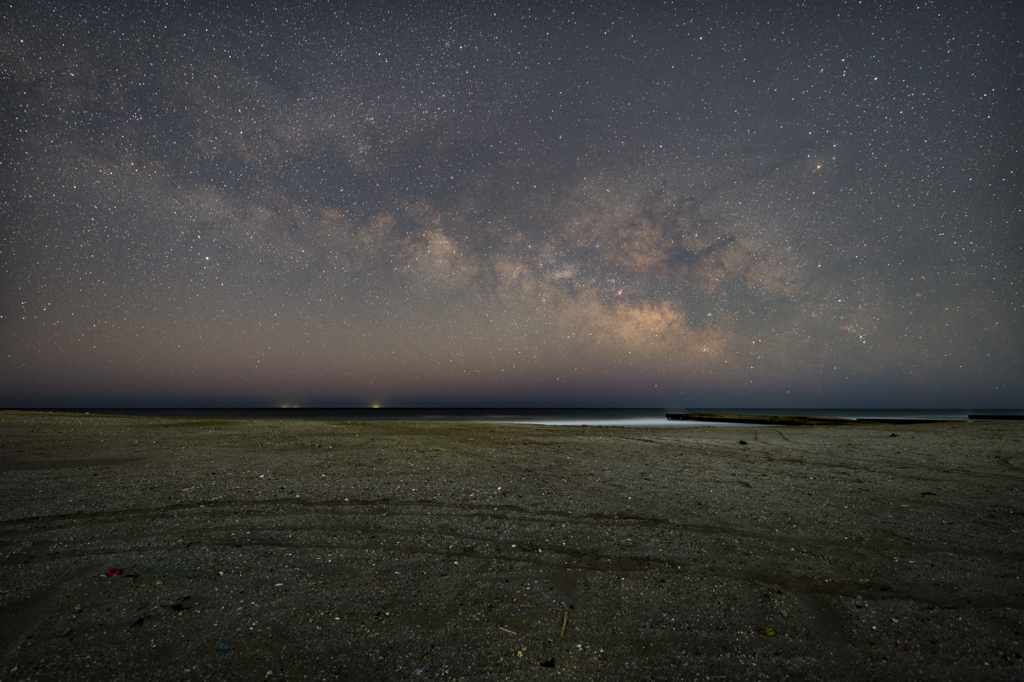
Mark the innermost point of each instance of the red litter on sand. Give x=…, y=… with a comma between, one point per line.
x=113, y=572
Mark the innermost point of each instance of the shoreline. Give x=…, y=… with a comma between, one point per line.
x=454, y=550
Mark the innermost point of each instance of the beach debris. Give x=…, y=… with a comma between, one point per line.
x=550, y=663
x=67, y=631
x=743, y=442
x=768, y=632
x=565, y=619
x=521, y=652
x=118, y=573
x=141, y=619
x=927, y=493
x=223, y=647
x=177, y=606
x=511, y=632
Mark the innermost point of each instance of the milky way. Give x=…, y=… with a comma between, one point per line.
x=469, y=204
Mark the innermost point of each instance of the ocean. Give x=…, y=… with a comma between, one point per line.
x=631, y=417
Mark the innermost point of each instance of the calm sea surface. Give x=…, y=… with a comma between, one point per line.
x=554, y=416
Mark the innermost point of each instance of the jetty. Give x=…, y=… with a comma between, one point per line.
x=794, y=420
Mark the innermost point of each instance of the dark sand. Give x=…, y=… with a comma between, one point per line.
x=310, y=550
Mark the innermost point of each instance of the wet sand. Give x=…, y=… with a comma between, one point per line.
x=396, y=550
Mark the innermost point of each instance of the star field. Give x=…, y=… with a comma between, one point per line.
x=495, y=203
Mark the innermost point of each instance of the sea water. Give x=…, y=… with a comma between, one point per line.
x=627, y=417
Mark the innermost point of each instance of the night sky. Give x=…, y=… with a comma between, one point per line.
x=680, y=204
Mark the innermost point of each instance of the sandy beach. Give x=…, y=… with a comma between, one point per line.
x=140, y=547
